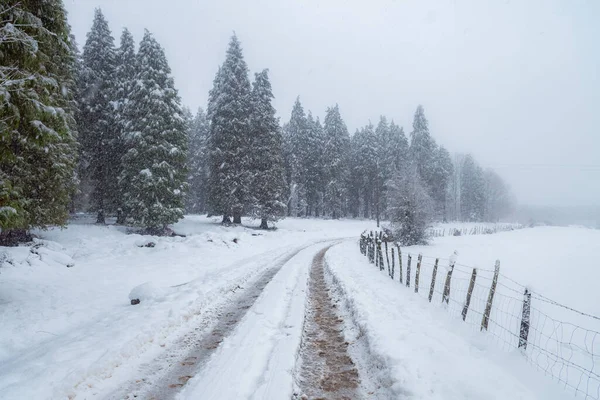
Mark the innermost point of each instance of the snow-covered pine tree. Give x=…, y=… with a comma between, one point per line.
x=198, y=163
x=99, y=130
x=442, y=172
x=37, y=127
x=398, y=147
x=313, y=166
x=424, y=154
x=229, y=115
x=296, y=142
x=384, y=166
x=126, y=69
x=368, y=159
x=267, y=169
x=154, y=165
x=335, y=155
x=472, y=190
x=354, y=182
x=411, y=207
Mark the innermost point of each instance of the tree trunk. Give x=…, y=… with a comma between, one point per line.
x=263, y=224
x=100, y=218
x=226, y=220
x=237, y=217
x=120, y=217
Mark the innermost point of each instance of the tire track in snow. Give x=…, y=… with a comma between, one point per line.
x=166, y=375
x=326, y=370
x=334, y=360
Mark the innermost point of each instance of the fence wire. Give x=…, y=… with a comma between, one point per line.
x=560, y=341
x=473, y=230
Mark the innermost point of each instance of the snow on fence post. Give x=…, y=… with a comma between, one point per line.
x=446, y=295
x=469, y=294
x=408, y=271
x=433, y=279
x=488, y=307
x=525, y=320
x=387, y=257
x=418, y=273
x=399, y=261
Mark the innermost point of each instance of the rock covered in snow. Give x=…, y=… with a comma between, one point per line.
x=147, y=291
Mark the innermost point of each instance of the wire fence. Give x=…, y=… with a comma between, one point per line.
x=562, y=342
x=473, y=230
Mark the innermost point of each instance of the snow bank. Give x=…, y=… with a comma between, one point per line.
x=430, y=356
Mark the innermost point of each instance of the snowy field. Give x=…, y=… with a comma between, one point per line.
x=428, y=355
x=69, y=331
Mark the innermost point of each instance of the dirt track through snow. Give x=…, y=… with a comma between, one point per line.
x=327, y=370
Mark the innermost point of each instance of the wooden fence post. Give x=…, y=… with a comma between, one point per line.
x=418, y=273
x=387, y=257
x=371, y=248
x=377, y=252
x=469, y=294
x=525, y=320
x=399, y=261
x=446, y=295
x=380, y=255
x=488, y=307
x=393, y=264
x=408, y=271
x=433, y=279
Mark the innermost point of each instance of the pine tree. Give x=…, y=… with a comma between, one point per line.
x=472, y=191
x=368, y=159
x=296, y=142
x=433, y=163
x=442, y=172
x=267, y=169
x=336, y=152
x=422, y=147
x=198, y=163
x=229, y=114
x=37, y=126
x=313, y=165
x=398, y=146
x=100, y=132
x=126, y=69
x=384, y=166
x=153, y=175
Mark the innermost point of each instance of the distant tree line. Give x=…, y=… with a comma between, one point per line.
x=105, y=131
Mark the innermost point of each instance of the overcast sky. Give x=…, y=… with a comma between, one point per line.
x=513, y=82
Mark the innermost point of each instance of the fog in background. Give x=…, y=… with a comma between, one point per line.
x=513, y=82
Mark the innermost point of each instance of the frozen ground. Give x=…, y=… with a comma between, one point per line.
x=69, y=331
x=79, y=319
x=428, y=354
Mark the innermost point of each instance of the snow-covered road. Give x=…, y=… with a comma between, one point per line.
x=225, y=313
